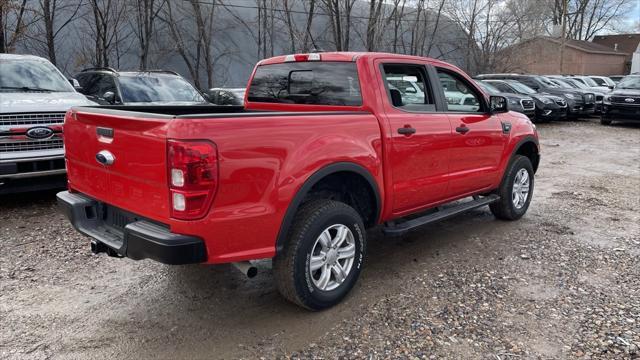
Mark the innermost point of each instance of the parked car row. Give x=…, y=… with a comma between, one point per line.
x=579, y=102
x=559, y=96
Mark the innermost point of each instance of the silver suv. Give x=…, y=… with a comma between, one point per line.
x=34, y=97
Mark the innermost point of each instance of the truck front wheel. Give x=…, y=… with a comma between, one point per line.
x=323, y=256
x=515, y=191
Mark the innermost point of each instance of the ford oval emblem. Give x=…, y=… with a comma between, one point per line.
x=630, y=100
x=105, y=157
x=40, y=132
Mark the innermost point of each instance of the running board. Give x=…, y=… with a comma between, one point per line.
x=405, y=226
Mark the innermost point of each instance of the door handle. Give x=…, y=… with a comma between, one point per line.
x=462, y=129
x=406, y=130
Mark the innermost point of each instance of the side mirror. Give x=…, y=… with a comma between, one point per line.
x=498, y=104
x=109, y=97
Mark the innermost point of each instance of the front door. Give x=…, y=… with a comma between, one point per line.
x=419, y=151
x=478, y=139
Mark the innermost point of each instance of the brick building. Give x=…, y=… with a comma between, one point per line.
x=541, y=55
x=626, y=43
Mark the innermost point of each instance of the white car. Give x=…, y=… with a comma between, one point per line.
x=603, y=81
x=591, y=84
x=34, y=96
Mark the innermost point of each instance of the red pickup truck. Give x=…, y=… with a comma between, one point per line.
x=326, y=146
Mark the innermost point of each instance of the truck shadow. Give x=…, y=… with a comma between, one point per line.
x=217, y=305
x=21, y=200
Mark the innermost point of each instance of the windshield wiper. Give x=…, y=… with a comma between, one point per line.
x=27, y=88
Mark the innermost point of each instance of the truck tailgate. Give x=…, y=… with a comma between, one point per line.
x=137, y=178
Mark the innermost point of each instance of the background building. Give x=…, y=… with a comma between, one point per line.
x=626, y=43
x=542, y=55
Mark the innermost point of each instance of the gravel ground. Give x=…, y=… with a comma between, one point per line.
x=563, y=282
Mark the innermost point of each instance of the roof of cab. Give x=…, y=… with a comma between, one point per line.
x=351, y=56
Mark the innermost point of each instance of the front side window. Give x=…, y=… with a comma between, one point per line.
x=599, y=81
x=308, y=83
x=31, y=75
x=406, y=86
x=147, y=87
x=458, y=94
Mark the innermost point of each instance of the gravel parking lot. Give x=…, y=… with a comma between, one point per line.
x=563, y=282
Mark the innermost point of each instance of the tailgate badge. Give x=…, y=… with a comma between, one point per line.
x=105, y=157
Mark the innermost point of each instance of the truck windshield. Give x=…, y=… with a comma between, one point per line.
x=629, y=83
x=315, y=83
x=31, y=75
x=147, y=87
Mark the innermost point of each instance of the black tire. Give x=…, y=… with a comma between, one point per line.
x=504, y=208
x=605, y=121
x=291, y=269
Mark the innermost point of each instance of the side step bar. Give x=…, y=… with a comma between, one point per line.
x=405, y=226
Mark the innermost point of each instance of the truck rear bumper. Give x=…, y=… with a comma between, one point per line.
x=119, y=232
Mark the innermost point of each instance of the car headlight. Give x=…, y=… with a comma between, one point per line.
x=606, y=99
x=570, y=96
x=546, y=100
x=513, y=101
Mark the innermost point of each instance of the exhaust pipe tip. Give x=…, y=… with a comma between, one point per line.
x=246, y=268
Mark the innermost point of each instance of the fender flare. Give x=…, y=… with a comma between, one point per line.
x=314, y=179
x=521, y=143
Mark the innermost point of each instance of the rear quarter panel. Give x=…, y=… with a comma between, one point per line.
x=264, y=161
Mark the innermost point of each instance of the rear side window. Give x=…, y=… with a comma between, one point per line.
x=408, y=88
x=310, y=83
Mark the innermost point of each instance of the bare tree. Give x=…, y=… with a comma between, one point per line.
x=12, y=23
x=340, y=13
x=375, y=12
x=107, y=31
x=299, y=38
x=191, y=29
x=51, y=17
x=145, y=15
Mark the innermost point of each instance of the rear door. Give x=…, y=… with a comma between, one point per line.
x=419, y=151
x=477, y=141
x=137, y=177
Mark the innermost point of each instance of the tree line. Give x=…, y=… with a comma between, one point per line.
x=103, y=32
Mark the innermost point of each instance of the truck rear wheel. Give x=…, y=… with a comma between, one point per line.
x=515, y=191
x=323, y=256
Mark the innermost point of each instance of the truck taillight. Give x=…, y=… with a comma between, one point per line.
x=193, y=177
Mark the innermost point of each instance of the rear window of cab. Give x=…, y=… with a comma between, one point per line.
x=308, y=83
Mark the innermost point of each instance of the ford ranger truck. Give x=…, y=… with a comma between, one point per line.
x=34, y=97
x=324, y=148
